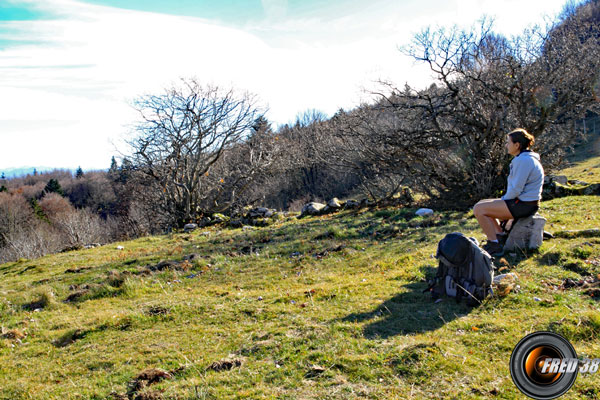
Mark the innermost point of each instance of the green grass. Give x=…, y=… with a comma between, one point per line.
x=584, y=163
x=319, y=308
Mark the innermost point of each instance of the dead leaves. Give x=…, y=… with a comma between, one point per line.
x=13, y=334
x=589, y=284
x=314, y=371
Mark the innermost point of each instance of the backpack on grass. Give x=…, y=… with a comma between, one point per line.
x=464, y=271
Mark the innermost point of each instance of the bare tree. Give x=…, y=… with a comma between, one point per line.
x=183, y=134
x=448, y=139
x=14, y=214
x=247, y=168
x=21, y=233
x=365, y=143
x=76, y=227
x=306, y=172
x=80, y=227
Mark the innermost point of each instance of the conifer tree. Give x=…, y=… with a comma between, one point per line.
x=125, y=170
x=113, y=171
x=37, y=210
x=113, y=165
x=53, y=187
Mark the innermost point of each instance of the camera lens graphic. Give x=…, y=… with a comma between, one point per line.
x=534, y=363
x=527, y=361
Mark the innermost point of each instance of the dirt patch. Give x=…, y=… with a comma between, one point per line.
x=184, y=265
x=34, y=305
x=145, y=395
x=71, y=248
x=593, y=292
x=77, y=270
x=140, y=271
x=314, y=371
x=589, y=284
x=45, y=299
x=192, y=257
x=148, y=395
x=75, y=296
x=249, y=249
x=163, y=265
x=90, y=291
x=146, y=378
x=225, y=365
x=166, y=265
x=326, y=252
x=153, y=375
x=157, y=310
x=138, y=387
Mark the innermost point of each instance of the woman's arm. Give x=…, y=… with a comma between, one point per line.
x=520, y=169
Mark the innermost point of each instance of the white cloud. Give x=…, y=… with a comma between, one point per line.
x=63, y=100
x=87, y=69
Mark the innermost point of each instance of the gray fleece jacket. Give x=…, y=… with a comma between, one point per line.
x=526, y=177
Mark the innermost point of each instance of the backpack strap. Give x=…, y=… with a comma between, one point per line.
x=471, y=261
x=436, y=285
x=444, y=260
x=459, y=290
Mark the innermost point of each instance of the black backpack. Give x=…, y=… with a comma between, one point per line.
x=464, y=271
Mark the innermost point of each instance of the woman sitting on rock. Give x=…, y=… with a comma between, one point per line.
x=523, y=194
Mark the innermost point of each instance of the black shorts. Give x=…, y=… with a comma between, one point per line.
x=518, y=209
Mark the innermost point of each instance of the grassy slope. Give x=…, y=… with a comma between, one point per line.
x=357, y=311
x=585, y=163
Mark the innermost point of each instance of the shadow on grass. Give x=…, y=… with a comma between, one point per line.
x=411, y=311
x=375, y=224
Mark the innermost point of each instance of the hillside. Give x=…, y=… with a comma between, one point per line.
x=327, y=307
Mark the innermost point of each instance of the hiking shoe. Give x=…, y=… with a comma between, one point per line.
x=494, y=249
x=502, y=238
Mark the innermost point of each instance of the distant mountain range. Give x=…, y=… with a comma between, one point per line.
x=22, y=171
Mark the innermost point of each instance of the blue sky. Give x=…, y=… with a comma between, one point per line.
x=69, y=69
x=230, y=11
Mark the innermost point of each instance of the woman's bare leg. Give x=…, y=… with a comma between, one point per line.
x=497, y=226
x=487, y=211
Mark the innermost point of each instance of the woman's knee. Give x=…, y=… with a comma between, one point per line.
x=483, y=207
x=477, y=209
